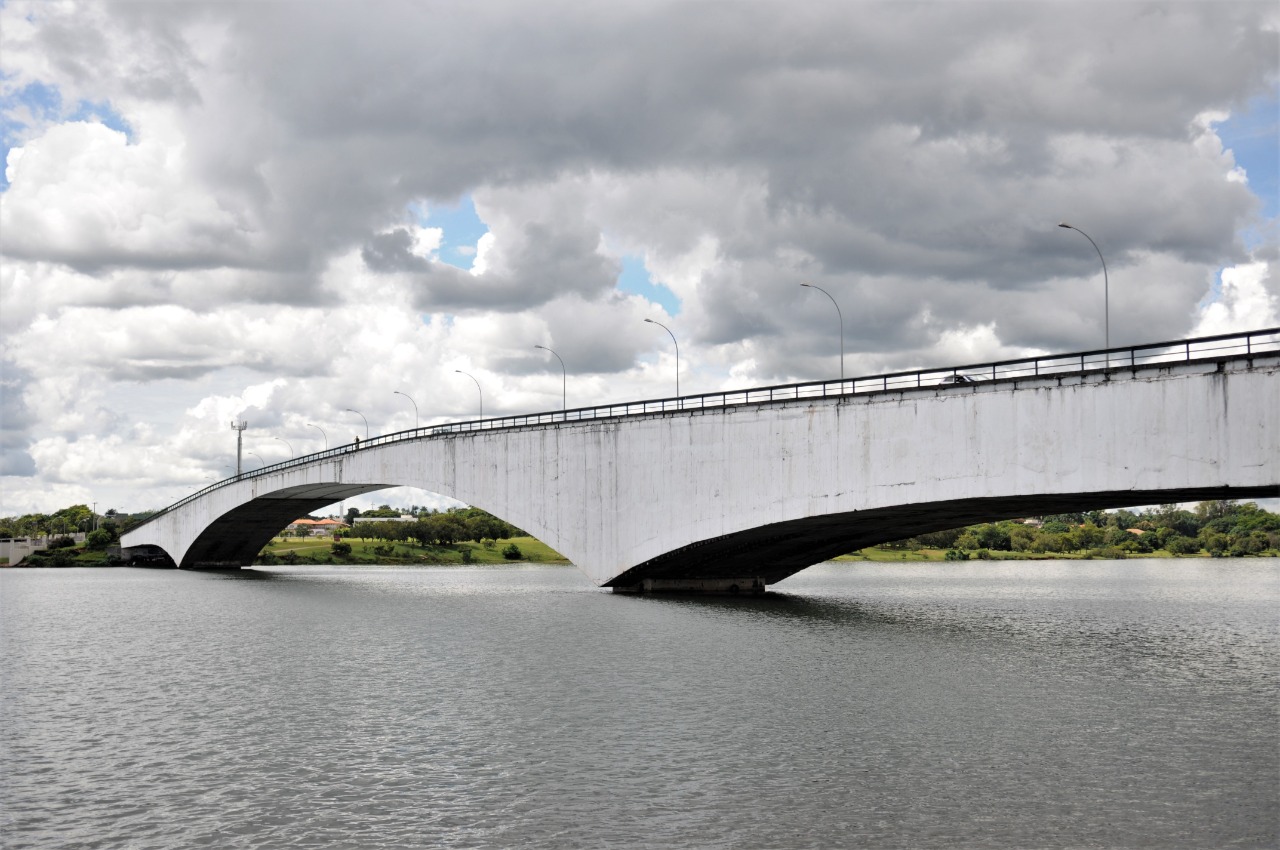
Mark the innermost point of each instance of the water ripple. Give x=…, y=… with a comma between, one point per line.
x=1127, y=704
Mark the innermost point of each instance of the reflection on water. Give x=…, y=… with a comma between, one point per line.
x=1049, y=704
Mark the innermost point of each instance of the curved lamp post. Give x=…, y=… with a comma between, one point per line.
x=415, y=407
x=361, y=415
x=322, y=433
x=292, y=453
x=1106, y=287
x=261, y=462
x=564, y=379
x=677, y=345
x=473, y=377
x=838, y=315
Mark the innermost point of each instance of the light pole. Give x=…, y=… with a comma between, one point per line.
x=838, y=315
x=1106, y=288
x=415, y=407
x=292, y=453
x=473, y=377
x=677, y=345
x=361, y=415
x=564, y=380
x=322, y=433
x=238, y=427
x=261, y=462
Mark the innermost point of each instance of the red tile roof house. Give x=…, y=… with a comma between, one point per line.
x=309, y=526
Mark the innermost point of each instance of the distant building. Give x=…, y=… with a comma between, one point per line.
x=309, y=527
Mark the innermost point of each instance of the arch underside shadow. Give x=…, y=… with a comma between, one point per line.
x=235, y=538
x=773, y=552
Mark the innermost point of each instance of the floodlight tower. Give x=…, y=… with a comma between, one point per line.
x=239, y=427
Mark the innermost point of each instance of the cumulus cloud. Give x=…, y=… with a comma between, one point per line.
x=248, y=248
x=1248, y=299
x=82, y=196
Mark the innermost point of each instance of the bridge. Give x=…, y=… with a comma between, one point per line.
x=733, y=491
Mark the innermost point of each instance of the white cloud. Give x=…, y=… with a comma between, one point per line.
x=245, y=252
x=1247, y=300
x=80, y=194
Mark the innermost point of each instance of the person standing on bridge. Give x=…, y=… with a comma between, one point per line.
x=357, y=443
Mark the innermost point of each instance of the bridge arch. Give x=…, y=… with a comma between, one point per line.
x=751, y=491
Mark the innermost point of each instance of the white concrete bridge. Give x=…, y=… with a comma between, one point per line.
x=736, y=490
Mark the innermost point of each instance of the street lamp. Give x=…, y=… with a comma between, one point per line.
x=361, y=415
x=838, y=315
x=292, y=454
x=473, y=377
x=1106, y=287
x=564, y=380
x=261, y=462
x=238, y=427
x=677, y=345
x=415, y=407
x=322, y=433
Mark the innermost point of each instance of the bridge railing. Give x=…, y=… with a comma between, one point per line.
x=1203, y=348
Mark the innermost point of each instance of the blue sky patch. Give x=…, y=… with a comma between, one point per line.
x=1254, y=137
x=635, y=278
x=461, y=225
x=43, y=103
x=102, y=113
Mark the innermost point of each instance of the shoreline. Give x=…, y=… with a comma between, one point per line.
x=441, y=556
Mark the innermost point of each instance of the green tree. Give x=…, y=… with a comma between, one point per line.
x=1209, y=511
x=940, y=539
x=1247, y=543
x=1022, y=538
x=993, y=537
x=1090, y=536
x=1120, y=519
x=1116, y=537
x=1213, y=542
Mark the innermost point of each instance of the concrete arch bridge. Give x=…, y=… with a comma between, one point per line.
x=733, y=491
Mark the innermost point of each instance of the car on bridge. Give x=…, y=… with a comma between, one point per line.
x=952, y=380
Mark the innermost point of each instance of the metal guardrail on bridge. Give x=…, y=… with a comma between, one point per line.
x=1187, y=350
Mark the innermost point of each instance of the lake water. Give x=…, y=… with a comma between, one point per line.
x=1020, y=705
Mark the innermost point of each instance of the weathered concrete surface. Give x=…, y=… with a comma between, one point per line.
x=758, y=492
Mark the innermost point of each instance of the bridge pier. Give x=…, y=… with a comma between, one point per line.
x=145, y=555
x=706, y=586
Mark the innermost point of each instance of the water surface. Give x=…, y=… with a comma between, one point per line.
x=1019, y=705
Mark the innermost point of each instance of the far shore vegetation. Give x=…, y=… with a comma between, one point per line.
x=421, y=536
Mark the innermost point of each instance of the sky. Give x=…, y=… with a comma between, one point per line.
x=280, y=212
